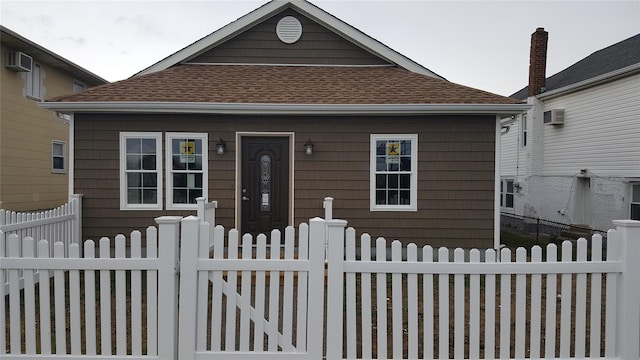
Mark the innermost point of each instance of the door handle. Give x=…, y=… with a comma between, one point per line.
x=244, y=198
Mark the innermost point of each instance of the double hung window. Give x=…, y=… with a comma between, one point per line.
x=186, y=155
x=58, y=156
x=34, y=82
x=394, y=172
x=140, y=171
x=506, y=193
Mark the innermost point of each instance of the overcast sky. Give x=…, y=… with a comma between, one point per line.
x=482, y=44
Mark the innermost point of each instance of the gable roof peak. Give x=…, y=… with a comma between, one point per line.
x=307, y=9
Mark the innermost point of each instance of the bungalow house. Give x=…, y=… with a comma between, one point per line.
x=33, y=141
x=277, y=110
x=574, y=157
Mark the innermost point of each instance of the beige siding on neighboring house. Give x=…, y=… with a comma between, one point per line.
x=455, y=172
x=601, y=132
x=27, y=181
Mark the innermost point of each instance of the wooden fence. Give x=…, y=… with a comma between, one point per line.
x=247, y=298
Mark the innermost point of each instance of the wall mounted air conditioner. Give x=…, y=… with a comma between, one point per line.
x=554, y=117
x=19, y=61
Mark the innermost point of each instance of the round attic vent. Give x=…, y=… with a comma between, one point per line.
x=289, y=29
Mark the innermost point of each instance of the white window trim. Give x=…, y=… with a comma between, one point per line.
x=29, y=89
x=414, y=173
x=64, y=157
x=523, y=130
x=169, y=168
x=503, y=194
x=157, y=136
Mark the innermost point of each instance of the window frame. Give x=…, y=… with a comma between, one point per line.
x=413, y=197
x=157, y=136
x=634, y=186
x=503, y=193
x=31, y=79
x=169, y=136
x=523, y=130
x=78, y=86
x=55, y=170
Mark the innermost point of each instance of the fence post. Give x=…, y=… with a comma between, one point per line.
x=628, y=316
x=327, y=204
x=335, y=284
x=315, y=308
x=168, y=238
x=191, y=237
x=76, y=201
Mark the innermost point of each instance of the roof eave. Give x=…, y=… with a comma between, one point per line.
x=594, y=81
x=285, y=109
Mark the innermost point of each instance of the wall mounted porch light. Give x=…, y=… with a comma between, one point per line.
x=221, y=147
x=308, y=147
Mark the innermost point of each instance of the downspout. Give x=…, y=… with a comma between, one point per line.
x=71, y=162
x=496, y=197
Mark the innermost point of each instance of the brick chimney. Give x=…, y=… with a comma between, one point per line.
x=538, y=61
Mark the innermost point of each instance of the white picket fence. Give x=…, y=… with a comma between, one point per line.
x=247, y=298
x=62, y=224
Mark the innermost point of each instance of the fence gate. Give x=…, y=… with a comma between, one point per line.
x=253, y=300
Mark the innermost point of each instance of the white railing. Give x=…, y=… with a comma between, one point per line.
x=249, y=298
x=62, y=224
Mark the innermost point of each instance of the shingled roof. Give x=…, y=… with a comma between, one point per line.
x=255, y=84
x=615, y=57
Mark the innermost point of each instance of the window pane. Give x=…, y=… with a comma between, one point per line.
x=393, y=181
x=635, y=211
x=510, y=186
x=180, y=196
x=133, y=196
x=196, y=163
x=393, y=167
x=180, y=180
x=636, y=193
x=405, y=181
x=58, y=149
x=381, y=181
x=509, y=200
x=197, y=181
x=381, y=147
x=134, y=162
x=133, y=146
x=381, y=197
x=148, y=146
x=58, y=163
x=133, y=180
x=405, y=163
x=149, y=180
x=405, y=197
x=150, y=196
x=392, y=198
x=405, y=147
x=179, y=163
x=148, y=162
x=381, y=163
x=193, y=195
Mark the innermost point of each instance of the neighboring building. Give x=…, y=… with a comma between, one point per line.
x=574, y=157
x=34, y=142
x=406, y=154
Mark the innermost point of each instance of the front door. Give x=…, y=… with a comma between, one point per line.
x=265, y=184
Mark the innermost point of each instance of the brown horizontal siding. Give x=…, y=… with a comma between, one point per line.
x=317, y=45
x=455, y=172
